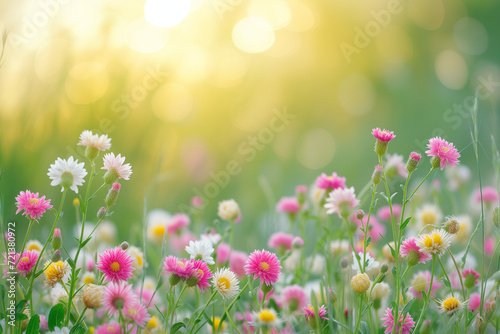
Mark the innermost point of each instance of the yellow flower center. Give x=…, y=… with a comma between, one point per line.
x=264, y=266
x=159, y=230
x=445, y=149
x=450, y=304
x=385, y=133
x=88, y=280
x=76, y=202
x=110, y=329
x=33, y=201
x=181, y=263
x=25, y=259
x=34, y=247
x=139, y=260
x=266, y=316
x=217, y=324
x=200, y=273
x=429, y=218
x=132, y=312
x=115, y=266
x=311, y=308
x=419, y=284
x=152, y=323
x=224, y=282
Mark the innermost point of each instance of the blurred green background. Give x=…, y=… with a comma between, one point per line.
x=184, y=87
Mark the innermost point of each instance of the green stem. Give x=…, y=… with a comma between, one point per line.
x=230, y=320
x=359, y=313
x=427, y=297
x=366, y=227
x=203, y=311
x=446, y=275
x=177, y=303
x=352, y=243
x=25, y=241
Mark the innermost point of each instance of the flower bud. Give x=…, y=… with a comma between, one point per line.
x=56, y=257
x=112, y=194
x=435, y=162
x=301, y=194
x=386, y=251
x=344, y=263
x=383, y=268
x=266, y=288
x=452, y=226
x=380, y=290
x=360, y=283
x=124, y=245
x=101, y=213
x=297, y=242
x=360, y=214
x=173, y=279
x=92, y=296
x=412, y=163
x=76, y=202
x=332, y=295
x=56, y=240
x=412, y=258
x=377, y=175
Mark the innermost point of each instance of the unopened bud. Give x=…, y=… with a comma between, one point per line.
x=266, y=288
x=173, y=279
x=101, y=213
x=332, y=295
x=56, y=257
x=124, y=245
x=384, y=267
x=76, y=202
x=413, y=257
x=377, y=175
x=412, y=163
x=386, y=251
x=56, y=240
x=452, y=226
x=297, y=242
x=301, y=193
x=112, y=194
x=344, y=263
x=360, y=214
x=360, y=283
x=435, y=162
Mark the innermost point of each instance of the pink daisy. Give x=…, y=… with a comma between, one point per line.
x=309, y=312
x=27, y=262
x=177, y=223
x=410, y=249
x=147, y=297
x=288, y=205
x=281, y=241
x=237, y=261
x=116, y=296
x=446, y=152
x=263, y=265
x=407, y=323
x=173, y=266
x=90, y=265
x=490, y=195
x=223, y=251
x=471, y=277
x=110, y=328
x=114, y=166
x=330, y=182
x=341, y=201
x=294, y=298
x=383, y=135
x=297, y=242
x=115, y=264
x=375, y=229
x=137, y=313
x=301, y=189
x=474, y=301
x=200, y=274
x=420, y=282
x=384, y=212
x=415, y=156
x=33, y=206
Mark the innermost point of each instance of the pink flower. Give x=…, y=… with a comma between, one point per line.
x=341, y=201
x=471, y=277
x=415, y=156
x=44, y=324
x=489, y=246
x=114, y=166
x=420, y=282
x=309, y=312
x=90, y=265
x=33, y=206
x=383, y=135
x=407, y=323
x=281, y=241
x=410, y=249
x=490, y=195
x=288, y=205
x=115, y=264
x=237, y=261
x=179, y=243
x=375, y=229
x=446, y=152
x=301, y=189
x=137, y=313
x=116, y=296
x=223, y=251
x=297, y=242
x=294, y=298
x=200, y=274
x=147, y=297
x=330, y=182
x=177, y=223
x=197, y=202
x=384, y=212
x=474, y=301
x=173, y=266
x=110, y=328
x=395, y=166
x=27, y=262
x=264, y=265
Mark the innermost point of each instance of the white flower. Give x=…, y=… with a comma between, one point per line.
x=115, y=168
x=395, y=165
x=316, y=263
x=67, y=173
x=226, y=283
x=213, y=238
x=58, y=294
x=338, y=247
x=157, y=225
x=451, y=305
x=341, y=201
x=370, y=262
x=57, y=330
x=229, y=210
x=436, y=242
x=201, y=250
x=106, y=232
x=138, y=256
x=428, y=214
x=102, y=143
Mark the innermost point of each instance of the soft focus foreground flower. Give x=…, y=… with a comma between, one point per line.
x=116, y=296
x=177, y=223
x=395, y=166
x=445, y=153
x=92, y=296
x=157, y=225
x=226, y=283
x=201, y=250
x=33, y=206
x=451, y=305
x=110, y=328
x=229, y=210
x=489, y=195
x=294, y=298
x=360, y=283
x=342, y=202
x=281, y=242
x=435, y=242
x=406, y=324
x=115, y=264
x=263, y=265
x=115, y=168
x=137, y=313
x=427, y=215
x=267, y=317
x=55, y=271
x=288, y=205
x=412, y=254
x=67, y=173
x=330, y=182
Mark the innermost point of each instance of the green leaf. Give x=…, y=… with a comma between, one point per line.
x=364, y=328
x=85, y=241
x=20, y=305
x=21, y=316
x=77, y=330
x=446, y=282
x=33, y=325
x=368, y=241
x=175, y=327
x=405, y=223
x=56, y=316
x=408, y=305
x=71, y=263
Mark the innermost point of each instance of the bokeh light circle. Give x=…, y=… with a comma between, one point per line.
x=166, y=13
x=144, y=37
x=277, y=12
x=451, y=69
x=86, y=82
x=316, y=149
x=253, y=35
x=470, y=36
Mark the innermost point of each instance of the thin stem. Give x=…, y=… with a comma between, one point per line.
x=204, y=308
x=359, y=313
x=230, y=320
x=367, y=226
x=446, y=275
x=352, y=243
x=428, y=295
x=177, y=303
x=25, y=241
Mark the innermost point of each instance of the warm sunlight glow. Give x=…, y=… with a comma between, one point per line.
x=253, y=35
x=166, y=13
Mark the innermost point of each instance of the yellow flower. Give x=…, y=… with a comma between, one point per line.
x=54, y=272
x=92, y=296
x=34, y=245
x=267, y=317
x=360, y=283
x=451, y=305
x=219, y=328
x=436, y=242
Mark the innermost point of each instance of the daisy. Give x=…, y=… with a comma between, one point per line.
x=137, y=313
x=201, y=250
x=92, y=296
x=263, y=265
x=229, y=210
x=445, y=153
x=427, y=215
x=370, y=262
x=157, y=225
x=384, y=213
x=27, y=262
x=267, y=317
x=110, y=328
x=211, y=237
x=465, y=230
x=288, y=205
x=116, y=296
x=115, y=264
x=200, y=274
x=226, y=283
x=451, y=305
x=138, y=257
x=33, y=206
x=88, y=278
x=101, y=143
x=489, y=195
x=115, y=168
x=329, y=183
x=406, y=324
x=341, y=201
x=294, y=298
x=420, y=282
x=412, y=254
x=34, y=245
x=435, y=242
x=54, y=272
x=280, y=241
x=67, y=173
x=309, y=312
x=383, y=138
